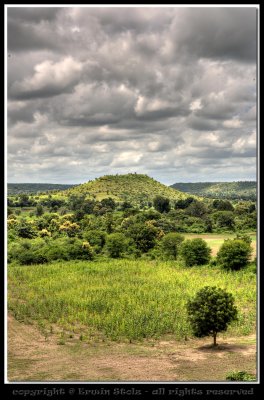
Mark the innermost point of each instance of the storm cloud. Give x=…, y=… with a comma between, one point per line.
x=166, y=91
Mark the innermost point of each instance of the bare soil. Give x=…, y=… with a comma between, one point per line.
x=35, y=357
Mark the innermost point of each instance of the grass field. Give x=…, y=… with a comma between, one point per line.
x=121, y=299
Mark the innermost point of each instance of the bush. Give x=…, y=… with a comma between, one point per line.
x=29, y=252
x=96, y=239
x=240, y=376
x=211, y=311
x=116, y=244
x=144, y=235
x=25, y=230
x=170, y=244
x=161, y=204
x=234, y=254
x=40, y=251
x=195, y=252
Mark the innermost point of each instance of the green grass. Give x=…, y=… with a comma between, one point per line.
x=122, y=299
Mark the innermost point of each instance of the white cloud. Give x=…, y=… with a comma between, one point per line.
x=233, y=123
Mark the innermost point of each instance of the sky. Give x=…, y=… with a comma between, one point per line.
x=165, y=91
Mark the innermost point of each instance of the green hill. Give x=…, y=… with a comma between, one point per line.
x=134, y=188
x=241, y=190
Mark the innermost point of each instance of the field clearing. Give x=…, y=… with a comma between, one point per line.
x=215, y=240
x=122, y=299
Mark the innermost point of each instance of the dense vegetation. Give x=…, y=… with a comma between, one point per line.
x=42, y=228
x=243, y=190
x=135, y=188
x=114, y=255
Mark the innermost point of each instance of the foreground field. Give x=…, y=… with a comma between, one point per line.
x=32, y=357
x=121, y=299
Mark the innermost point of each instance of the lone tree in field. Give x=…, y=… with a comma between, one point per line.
x=211, y=311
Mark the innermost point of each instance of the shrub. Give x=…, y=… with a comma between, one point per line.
x=96, y=239
x=25, y=230
x=161, y=204
x=144, y=235
x=211, y=311
x=240, y=376
x=234, y=254
x=116, y=244
x=170, y=244
x=195, y=252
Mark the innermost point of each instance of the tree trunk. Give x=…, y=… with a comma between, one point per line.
x=214, y=334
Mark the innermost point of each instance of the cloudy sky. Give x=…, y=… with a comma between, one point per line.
x=169, y=92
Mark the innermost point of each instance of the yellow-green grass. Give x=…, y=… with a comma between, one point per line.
x=122, y=299
x=215, y=240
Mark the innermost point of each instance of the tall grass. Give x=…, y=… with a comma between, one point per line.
x=123, y=299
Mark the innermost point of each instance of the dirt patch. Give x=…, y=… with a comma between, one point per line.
x=34, y=357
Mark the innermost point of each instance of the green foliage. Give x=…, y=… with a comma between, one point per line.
x=234, y=254
x=96, y=239
x=243, y=190
x=224, y=219
x=43, y=250
x=25, y=230
x=129, y=188
x=196, y=209
x=170, y=244
x=183, y=203
x=161, y=204
x=30, y=188
x=39, y=210
x=240, y=376
x=116, y=244
x=211, y=311
x=195, y=252
x=222, y=205
x=123, y=299
x=143, y=234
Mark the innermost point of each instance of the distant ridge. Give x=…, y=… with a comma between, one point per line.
x=18, y=188
x=240, y=190
x=134, y=188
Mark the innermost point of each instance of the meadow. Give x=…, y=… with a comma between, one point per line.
x=122, y=299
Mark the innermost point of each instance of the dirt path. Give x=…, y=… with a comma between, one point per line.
x=32, y=357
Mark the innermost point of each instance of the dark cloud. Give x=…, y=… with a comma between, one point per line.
x=217, y=33
x=167, y=91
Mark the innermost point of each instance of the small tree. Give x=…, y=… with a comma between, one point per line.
x=234, y=254
x=195, y=252
x=39, y=210
x=170, y=244
x=161, y=204
x=116, y=244
x=211, y=311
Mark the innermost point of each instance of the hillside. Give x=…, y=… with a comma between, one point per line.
x=33, y=188
x=134, y=188
x=242, y=190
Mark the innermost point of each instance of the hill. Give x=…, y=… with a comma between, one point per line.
x=241, y=190
x=134, y=188
x=34, y=188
